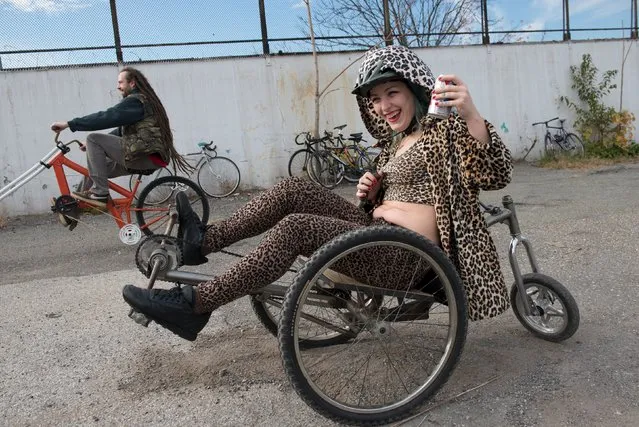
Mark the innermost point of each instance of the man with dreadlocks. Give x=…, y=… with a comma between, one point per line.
x=142, y=140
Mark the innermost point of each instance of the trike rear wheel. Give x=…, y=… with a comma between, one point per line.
x=156, y=203
x=399, y=344
x=555, y=314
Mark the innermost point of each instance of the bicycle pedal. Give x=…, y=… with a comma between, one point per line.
x=139, y=318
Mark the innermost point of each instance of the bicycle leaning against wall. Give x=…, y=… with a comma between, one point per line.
x=217, y=176
x=561, y=141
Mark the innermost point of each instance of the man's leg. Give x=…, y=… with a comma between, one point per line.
x=105, y=160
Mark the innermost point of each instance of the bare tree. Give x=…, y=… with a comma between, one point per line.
x=415, y=23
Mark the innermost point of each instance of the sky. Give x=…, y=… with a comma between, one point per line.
x=42, y=24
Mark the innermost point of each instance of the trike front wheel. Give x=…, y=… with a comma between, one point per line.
x=555, y=315
x=156, y=203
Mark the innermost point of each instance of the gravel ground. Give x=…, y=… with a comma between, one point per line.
x=69, y=355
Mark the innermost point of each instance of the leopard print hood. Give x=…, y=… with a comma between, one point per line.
x=405, y=63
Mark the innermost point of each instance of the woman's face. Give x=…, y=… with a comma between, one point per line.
x=394, y=102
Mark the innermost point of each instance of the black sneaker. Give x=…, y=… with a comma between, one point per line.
x=90, y=197
x=190, y=231
x=173, y=309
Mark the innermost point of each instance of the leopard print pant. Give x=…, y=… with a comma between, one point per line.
x=297, y=217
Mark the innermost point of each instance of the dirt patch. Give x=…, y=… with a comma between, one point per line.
x=235, y=359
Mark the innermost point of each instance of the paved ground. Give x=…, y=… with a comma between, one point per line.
x=70, y=356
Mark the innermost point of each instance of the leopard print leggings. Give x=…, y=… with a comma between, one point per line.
x=297, y=217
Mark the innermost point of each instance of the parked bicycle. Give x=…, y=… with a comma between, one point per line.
x=561, y=140
x=218, y=176
x=350, y=152
x=154, y=211
x=298, y=162
x=344, y=158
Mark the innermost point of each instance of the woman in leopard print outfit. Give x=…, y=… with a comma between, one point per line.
x=429, y=174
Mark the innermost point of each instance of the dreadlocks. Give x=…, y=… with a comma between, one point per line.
x=145, y=88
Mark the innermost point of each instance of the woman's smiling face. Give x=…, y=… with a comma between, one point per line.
x=394, y=102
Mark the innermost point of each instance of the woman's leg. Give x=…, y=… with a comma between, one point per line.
x=295, y=234
x=290, y=196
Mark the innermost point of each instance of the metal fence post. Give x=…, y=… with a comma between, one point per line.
x=265, y=47
x=566, y=24
x=388, y=35
x=485, y=37
x=116, y=33
x=633, y=19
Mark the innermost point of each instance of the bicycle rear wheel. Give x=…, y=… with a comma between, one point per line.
x=218, y=176
x=156, y=203
x=574, y=145
x=325, y=169
x=147, y=179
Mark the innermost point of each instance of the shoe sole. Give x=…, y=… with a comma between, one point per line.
x=182, y=333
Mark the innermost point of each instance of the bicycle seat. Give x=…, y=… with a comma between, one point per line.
x=141, y=171
x=339, y=127
x=357, y=135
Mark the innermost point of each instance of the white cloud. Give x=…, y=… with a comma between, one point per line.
x=299, y=5
x=46, y=5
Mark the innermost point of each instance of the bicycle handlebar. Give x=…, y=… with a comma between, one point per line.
x=58, y=142
x=546, y=122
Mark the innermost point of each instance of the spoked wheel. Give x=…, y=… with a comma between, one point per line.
x=555, y=314
x=156, y=203
x=218, y=176
x=393, y=345
x=147, y=179
x=298, y=163
x=574, y=145
x=325, y=170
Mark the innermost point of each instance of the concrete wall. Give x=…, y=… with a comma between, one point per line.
x=253, y=107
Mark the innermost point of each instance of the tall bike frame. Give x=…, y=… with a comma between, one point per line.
x=152, y=213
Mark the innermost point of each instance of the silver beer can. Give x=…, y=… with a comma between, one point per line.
x=437, y=110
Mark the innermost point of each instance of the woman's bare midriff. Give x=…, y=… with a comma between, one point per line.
x=416, y=217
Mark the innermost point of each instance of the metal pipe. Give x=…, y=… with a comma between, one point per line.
x=265, y=47
x=116, y=32
x=388, y=34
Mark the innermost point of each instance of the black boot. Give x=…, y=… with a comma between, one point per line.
x=190, y=231
x=173, y=308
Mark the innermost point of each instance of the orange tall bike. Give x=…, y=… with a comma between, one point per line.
x=153, y=207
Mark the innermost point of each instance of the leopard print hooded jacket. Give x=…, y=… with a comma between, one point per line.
x=459, y=166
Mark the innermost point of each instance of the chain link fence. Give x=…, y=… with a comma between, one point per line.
x=58, y=33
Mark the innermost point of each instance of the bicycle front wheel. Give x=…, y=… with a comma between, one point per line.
x=298, y=163
x=574, y=145
x=156, y=203
x=218, y=176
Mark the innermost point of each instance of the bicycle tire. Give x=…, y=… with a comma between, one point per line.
x=154, y=219
x=574, y=144
x=551, y=291
x=147, y=179
x=366, y=160
x=550, y=148
x=325, y=170
x=298, y=163
x=333, y=381
x=218, y=176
